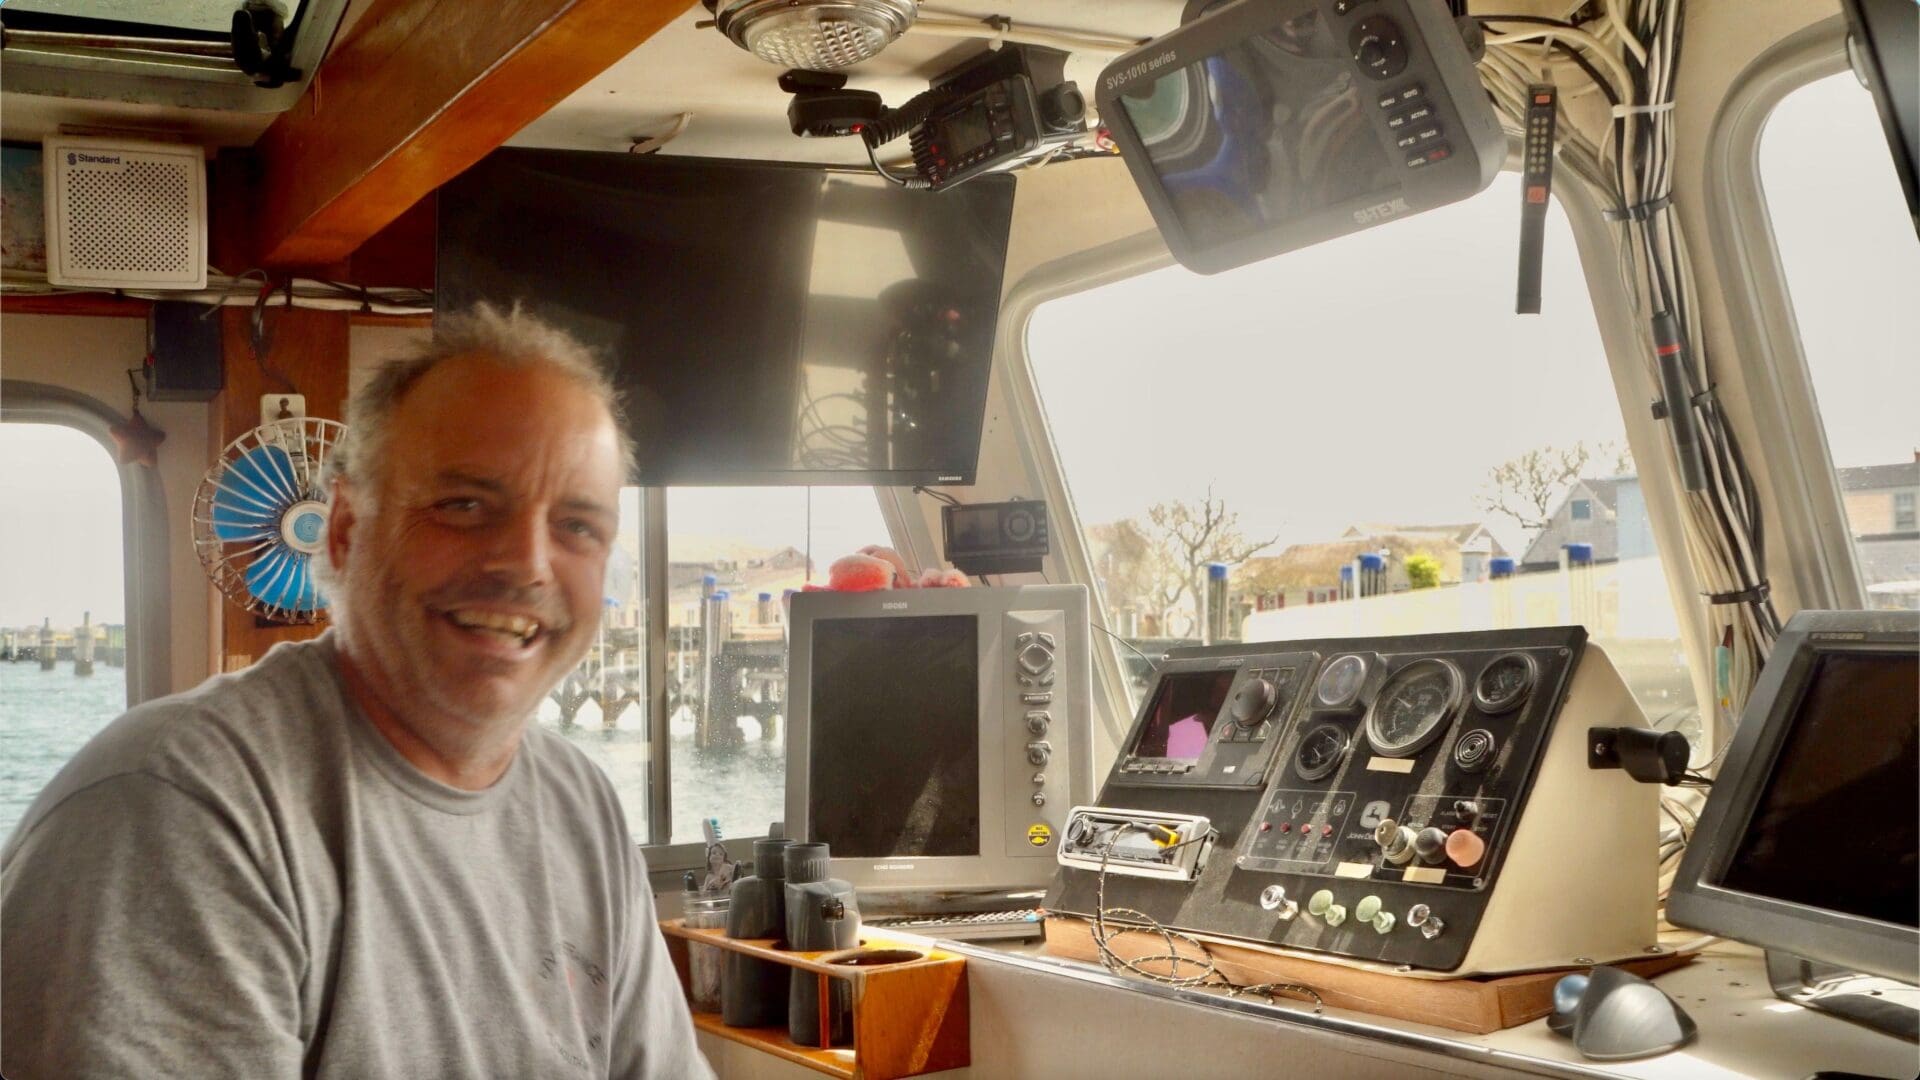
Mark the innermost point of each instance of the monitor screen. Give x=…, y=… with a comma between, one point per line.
x=1809, y=844
x=767, y=323
x=1270, y=129
x=868, y=718
x=1849, y=759
x=1181, y=717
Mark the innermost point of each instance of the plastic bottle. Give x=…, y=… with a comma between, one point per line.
x=753, y=993
x=704, y=911
x=822, y=915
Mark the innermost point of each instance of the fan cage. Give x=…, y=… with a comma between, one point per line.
x=237, y=512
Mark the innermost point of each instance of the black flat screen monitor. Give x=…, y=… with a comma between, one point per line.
x=1810, y=841
x=1884, y=48
x=768, y=323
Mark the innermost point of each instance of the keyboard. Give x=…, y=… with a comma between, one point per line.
x=1022, y=923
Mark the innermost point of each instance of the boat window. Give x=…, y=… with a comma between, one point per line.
x=197, y=17
x=1852, y=265
x=733, y=553
x=726, y=731
x=61, y=582
x=1371, y=401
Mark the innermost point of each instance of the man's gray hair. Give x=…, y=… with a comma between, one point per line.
x=513, y=338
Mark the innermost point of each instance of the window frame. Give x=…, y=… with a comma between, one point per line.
x=1622, y=338
x=144, y=528
x=176, y=82
x=1816, y=553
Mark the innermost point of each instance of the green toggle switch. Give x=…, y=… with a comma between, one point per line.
x=1367, y=908
x=1319, y=902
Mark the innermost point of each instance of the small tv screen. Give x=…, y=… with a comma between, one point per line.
x=768, y=323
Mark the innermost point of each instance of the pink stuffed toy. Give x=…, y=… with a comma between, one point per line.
x=860, y=573
x=874, y=567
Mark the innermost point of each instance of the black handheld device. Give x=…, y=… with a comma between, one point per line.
x=1536, y=184
x=1268, y=125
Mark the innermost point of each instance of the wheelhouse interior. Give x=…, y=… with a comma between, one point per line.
x=1354, y=445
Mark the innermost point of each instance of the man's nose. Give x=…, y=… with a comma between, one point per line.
x=522, y=549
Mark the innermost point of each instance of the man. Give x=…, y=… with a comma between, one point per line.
x=359, y=858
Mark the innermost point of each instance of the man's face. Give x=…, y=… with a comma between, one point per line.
x=473, y=581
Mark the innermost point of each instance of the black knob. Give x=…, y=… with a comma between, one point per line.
x=1252, y=702
x=1430, y=844
x=1063, y=108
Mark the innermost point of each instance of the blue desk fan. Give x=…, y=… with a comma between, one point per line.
x=260, y=516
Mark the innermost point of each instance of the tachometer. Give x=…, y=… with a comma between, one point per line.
x=1414, y=707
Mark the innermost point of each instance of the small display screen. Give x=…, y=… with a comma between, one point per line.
x=894, y=757
x=963, y=132
x=1836, y=826
x=974, y=529
x=1273, y=129
x=1185, y=706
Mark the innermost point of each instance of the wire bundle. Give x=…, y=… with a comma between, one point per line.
x=1628, y=51
x=1205, y=971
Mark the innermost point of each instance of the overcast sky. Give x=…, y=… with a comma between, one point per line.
x=1376, y=378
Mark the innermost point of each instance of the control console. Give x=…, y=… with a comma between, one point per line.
x=1420, y=802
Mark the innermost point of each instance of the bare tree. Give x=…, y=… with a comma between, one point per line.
x=1194, y=534
x=1528, y=487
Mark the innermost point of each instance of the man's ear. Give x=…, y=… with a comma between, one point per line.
x=341, y=519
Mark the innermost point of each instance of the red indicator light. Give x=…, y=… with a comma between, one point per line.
x=1286, y=826
x=1266, y=826
x=1536, y=194
x=1438, y=154
x=1543, y=99
x=1326, y=830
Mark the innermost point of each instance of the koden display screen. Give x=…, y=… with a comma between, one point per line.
x=893, y=762
x=1273, y=128
x=1185, y=706
x=1835, y=827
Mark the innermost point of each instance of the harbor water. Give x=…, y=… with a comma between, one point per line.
x=47, y=716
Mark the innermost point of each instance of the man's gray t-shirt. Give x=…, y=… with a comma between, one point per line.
x=248, y=880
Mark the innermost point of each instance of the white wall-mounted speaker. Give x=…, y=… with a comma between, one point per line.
x=126, y=215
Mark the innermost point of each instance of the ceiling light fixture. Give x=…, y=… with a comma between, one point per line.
x=818, y=35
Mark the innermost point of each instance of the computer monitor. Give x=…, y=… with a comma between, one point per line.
x=937, y=737
x=1810, y=840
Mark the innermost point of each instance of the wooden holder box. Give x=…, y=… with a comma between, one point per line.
x=908, y=1018
x=1477, y=1004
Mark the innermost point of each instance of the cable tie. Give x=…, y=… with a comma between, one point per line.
x=1641, y=211
x=1753, y=594
x=1621, y=112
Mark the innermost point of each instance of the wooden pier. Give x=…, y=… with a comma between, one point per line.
x=85, y=646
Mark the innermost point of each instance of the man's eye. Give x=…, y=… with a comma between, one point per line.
x=458, y=505
x=584, y=529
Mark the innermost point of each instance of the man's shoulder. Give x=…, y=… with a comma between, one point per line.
x=214, y=739
x=569, y=773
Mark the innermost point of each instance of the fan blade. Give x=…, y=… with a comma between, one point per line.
x=282, y=580
x=250, y=506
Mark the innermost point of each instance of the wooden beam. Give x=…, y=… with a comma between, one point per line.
x=417, y=92
x=78, y=303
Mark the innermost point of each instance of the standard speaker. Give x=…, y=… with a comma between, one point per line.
x=125, y=215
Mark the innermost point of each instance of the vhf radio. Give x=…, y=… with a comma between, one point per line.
x=988, y=114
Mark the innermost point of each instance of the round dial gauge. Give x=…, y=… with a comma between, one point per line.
x=1504, y=684
x=1339, y=685
x=1320, y=752
x=1414, y=707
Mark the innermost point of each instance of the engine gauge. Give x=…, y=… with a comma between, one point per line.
x=1339, y=685
x=1414, y=707
x=1504, y=683
x=1320, y=752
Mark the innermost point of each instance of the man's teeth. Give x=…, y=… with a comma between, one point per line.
x=514, y=626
